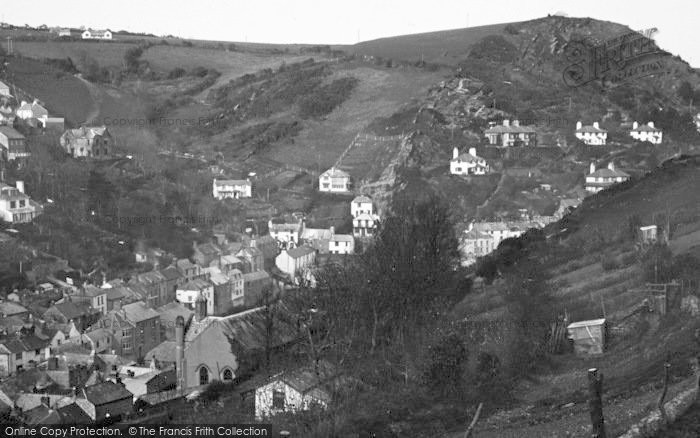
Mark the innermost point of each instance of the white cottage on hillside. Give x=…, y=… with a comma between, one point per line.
x=591, y=134
x=232, y=188
x=468, y=164
x=598, y=180
x=94, y=34
x=364, y=218
x=296, y=260
x=646, y=132
x=334, y=180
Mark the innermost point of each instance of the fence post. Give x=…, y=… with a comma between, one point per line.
x=595, y=403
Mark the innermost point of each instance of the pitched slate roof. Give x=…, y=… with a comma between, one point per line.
x=11, y=133
x=248, y=329
x=9, y=308
x=257, y=275
x=232, y=182
x=106, y=392
x=74, y=414
x=138, y=311
x=501, y=129
x=334, y=172
x=71, y=310
x=37, y=109
x=170, y=273
x=361, y=199
x=342, y=238
x=608, y=173
x=300, y=251
x=86, y=132
x=590, y=129
x=163, y=352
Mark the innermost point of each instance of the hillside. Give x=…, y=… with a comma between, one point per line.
x=448, y=47
x=583, y=282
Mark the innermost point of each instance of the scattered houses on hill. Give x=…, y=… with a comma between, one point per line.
x=88, y=142
x=13, y=145
x=647, y=132
x=591, y=134
x=95, y=34
x=232, y=188
x=600, y=179
x=334, y=180
x=509, y=134
x=468, y=164
x=15, y=206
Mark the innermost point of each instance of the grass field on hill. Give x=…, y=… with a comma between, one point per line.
x=379, y=92
x=442, y=47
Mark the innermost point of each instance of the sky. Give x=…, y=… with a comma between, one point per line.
x=335, y=22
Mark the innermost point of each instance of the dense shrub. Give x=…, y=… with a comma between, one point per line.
x=325, y=99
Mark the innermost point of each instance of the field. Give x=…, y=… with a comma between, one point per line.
x=443, y=47
x=378, y=94
x=63, y=94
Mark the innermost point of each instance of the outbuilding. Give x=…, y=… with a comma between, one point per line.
x=588, y=336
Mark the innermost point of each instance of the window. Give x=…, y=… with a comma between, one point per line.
x=228, y=375
x=21, y=202
x=18, y=356
x=37, y=352
x=126, y=345
x=278, y=399
x=203, y=375
x=13, y=204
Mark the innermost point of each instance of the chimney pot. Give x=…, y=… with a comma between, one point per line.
x=455, y=153
x=472, y=152
x=579, y=125
x=596, y=125
x=635, y=125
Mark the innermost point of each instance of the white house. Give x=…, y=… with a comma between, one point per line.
x=16, y=206
x=598, y=180
x=334, y=180
x=591, y=135
x=297, y=391
x=232, y=188
x=341, y=244
x=364, y=219
x=468, y=164
x=63, y=32
x=646, y=132
x=509, y=134
x=93, y=34
x=286, y=232
x=295, y=260
x=195, y=289
x=475, y=243
x=32, y=110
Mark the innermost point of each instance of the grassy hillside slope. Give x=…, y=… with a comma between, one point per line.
x=442, y=47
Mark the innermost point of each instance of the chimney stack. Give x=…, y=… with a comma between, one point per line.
x=455, y=153
x=611, y=165
x=516, y=122
x=595, y=125
x=650, y=124
x=592, y=168
x=635, y=125
x=180, y=351
x=472, y=152
x=506, y=122
x=200, y=306
x=20, y=186
x=579, y=125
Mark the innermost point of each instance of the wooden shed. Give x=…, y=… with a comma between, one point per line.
x=588, y=336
